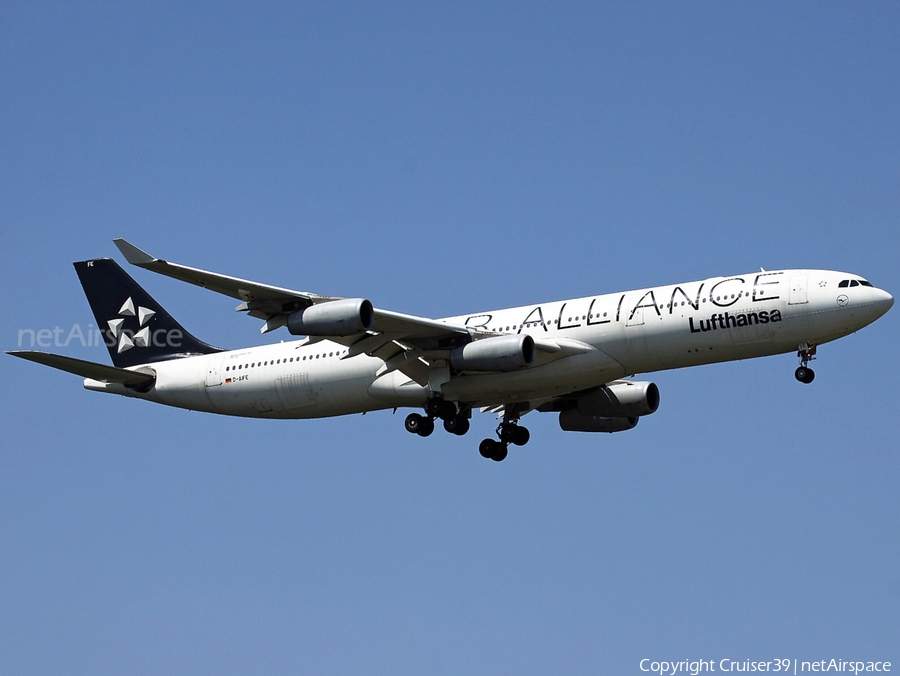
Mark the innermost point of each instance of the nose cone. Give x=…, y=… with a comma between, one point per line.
x=883, y=301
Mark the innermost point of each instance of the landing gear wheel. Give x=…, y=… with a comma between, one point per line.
x=486, y=448
x=804, y=374
x=426, y=428
x=511, y=433
x=439, y=408
x=419, y=424
x=413, y=423
x=520, y=436
x=457, y=425
x=493, y=450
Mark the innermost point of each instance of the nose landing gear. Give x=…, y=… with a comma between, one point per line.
x=807, y=353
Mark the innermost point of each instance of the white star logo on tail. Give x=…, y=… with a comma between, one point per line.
x=142, y=337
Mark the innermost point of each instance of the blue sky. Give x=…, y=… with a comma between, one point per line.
x=442, y=158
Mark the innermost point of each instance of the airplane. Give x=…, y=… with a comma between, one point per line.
x=573, y=357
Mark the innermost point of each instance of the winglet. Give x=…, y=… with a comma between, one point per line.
x=132, y=254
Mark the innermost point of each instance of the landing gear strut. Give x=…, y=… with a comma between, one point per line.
x=807, y=353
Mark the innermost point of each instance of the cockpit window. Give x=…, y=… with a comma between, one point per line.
x=844, y=283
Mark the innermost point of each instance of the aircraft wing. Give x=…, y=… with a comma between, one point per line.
x=258, y=297
x=267, y=302
x=86, y=369
x=400, y=339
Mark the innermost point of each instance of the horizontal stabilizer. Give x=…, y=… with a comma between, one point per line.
x=87, y=369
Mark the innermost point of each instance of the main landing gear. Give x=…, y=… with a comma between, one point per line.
x=807, y=353
x=510, y=432
x=455, y=421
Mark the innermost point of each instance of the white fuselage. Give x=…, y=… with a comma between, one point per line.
x=607, y=337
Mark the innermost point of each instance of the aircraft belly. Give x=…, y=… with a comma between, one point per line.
x=559, y=377
x=398, y=389
x=318, y=391
x=342, y=391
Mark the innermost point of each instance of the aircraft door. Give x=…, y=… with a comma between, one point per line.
x=636, y=317
x=798, y=290
x=214, y=370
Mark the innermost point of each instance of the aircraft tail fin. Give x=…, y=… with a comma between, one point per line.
x=136, y=329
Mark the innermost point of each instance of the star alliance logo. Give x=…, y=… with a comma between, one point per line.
x=128, y=339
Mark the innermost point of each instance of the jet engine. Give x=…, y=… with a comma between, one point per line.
x=615, y=407
x=571, y=420
x=500, y=353
x=621, y=399
x=333, y=318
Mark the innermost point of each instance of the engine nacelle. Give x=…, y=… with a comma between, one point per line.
x=623, y=399
x=333, y=318
x=500, y=353
x=571, y=420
